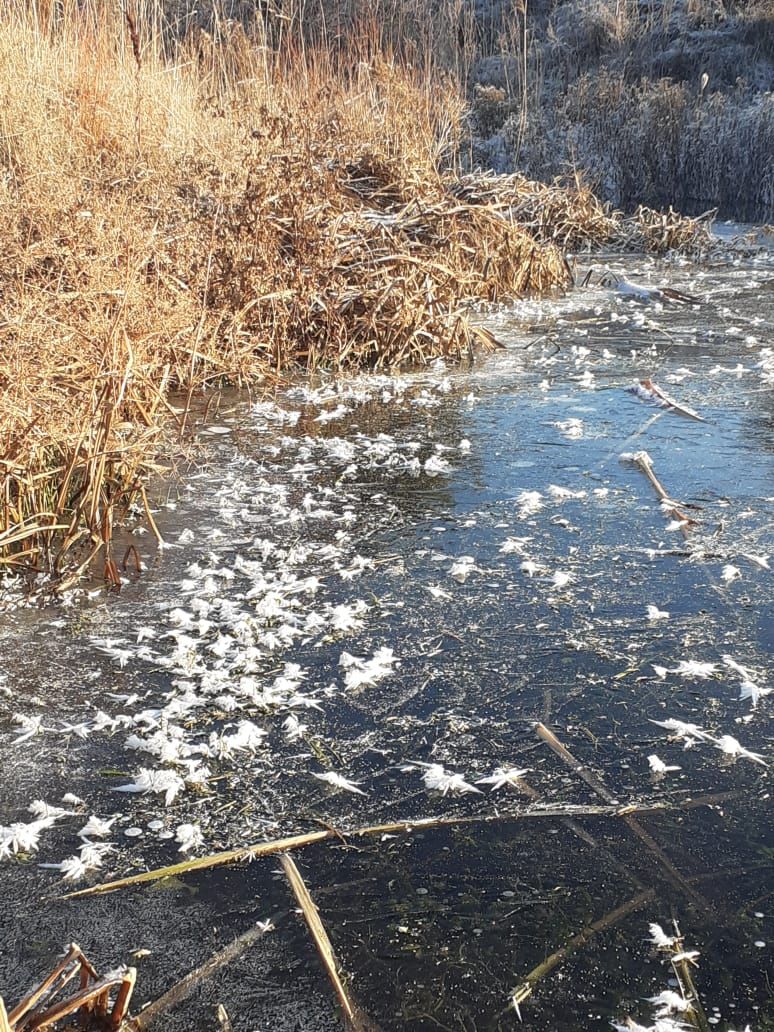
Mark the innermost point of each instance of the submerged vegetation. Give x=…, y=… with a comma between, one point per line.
x=187, y=205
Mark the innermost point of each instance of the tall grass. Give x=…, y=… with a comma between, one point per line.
x=185, y=203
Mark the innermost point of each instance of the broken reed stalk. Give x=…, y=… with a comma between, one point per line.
x=261, y=849
x=583, y=772
x=647, y=468
x=223, y=1019
x=525, y=988
x=275, y=846
x=205, y=863
x=65, y=970
x=149, y=517
x=687, y=985
x=674, y=876
x=4, y=1023
x=695, y=1013
x=93, y=996
x=678, y=880
x=321, y=940
x=644, y=463
x=670, y=403
x=146, y=1018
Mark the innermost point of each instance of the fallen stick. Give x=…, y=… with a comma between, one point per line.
x=260, y=849
x=525, y=988
x=651, y=392
x=4, y=1024
x=321, y=940
x=673, y=875
x=644, y=463
x=181, y=989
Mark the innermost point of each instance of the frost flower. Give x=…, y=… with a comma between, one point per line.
x=658, y=766
x=22, y=838
x=462, y=567
x=529, y=502
x=504, y=776
x=669, y=1002
x=691, y=733
x=337, y=781
x=753, y=692
x=189, y=836
x=731, y=747
x=162, y=782
x=654, y=613
x=439, y=780
x=694, y=668
x=561, y=579
x=659, y=938
x=96, y=827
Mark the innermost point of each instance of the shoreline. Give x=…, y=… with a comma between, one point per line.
x=229, y=215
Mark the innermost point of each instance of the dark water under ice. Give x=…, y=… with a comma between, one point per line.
x=293, y=528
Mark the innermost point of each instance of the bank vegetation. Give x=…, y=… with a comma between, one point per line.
x=189, y=204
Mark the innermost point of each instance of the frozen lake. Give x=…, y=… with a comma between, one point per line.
x=376, y=574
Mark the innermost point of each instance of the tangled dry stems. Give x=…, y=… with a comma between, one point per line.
x=570, y=215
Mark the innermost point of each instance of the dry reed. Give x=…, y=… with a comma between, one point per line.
x=184, y=212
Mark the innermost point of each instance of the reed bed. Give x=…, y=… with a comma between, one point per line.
x=211, y=209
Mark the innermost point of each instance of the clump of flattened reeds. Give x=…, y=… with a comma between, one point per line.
x=572, y=216
x=569, y=215
x=659, y=232
x=223, y=214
